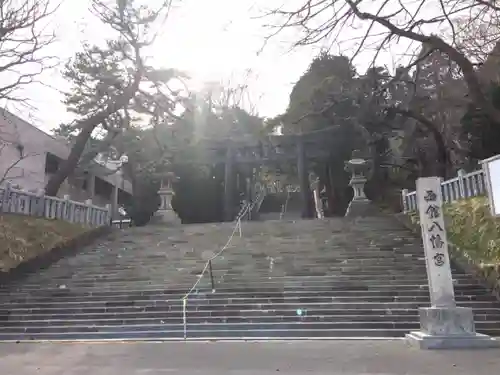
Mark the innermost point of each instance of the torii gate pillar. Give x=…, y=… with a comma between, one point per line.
x=229, y=184
x=305, y=191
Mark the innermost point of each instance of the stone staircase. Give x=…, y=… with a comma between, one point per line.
x=293, y=207
x=272, y=207
x=301, y=279
x=272, y=203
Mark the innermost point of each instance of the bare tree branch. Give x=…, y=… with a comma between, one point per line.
x=433, y=129
x=489, y=4
x=434, y=23
x=22, y=39
x=115, y=91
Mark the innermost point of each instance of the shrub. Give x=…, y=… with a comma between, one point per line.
x=144, y=203
x=472, y=229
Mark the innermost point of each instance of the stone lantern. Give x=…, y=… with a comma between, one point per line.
x=360, y=169
x=166, y=192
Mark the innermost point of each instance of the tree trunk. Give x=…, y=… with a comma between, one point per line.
x=68, y=165
x=88, y=125
x=86, y=159
x=442, y=152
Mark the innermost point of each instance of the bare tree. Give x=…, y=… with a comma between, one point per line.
x=23, y=36
x=379, y=25
x=478, y=38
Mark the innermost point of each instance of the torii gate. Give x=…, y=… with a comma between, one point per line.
x=279, y=148
x=249, y=150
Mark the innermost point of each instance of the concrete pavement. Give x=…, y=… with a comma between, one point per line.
x=240, y=358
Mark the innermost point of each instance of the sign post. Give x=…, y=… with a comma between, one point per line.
x=491, y=168
x=443, y=325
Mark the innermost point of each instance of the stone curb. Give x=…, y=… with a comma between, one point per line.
x=489, y=277
x=61, y=250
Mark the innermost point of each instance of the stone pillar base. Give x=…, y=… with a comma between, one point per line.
x=448, y=328
x=361, y=208
x=167, y=217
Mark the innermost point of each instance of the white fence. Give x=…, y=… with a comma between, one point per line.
x=461, y=187
x=27, y=203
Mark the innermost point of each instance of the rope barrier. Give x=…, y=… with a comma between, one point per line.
x=245, y=209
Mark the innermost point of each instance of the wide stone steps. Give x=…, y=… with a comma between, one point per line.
x=220, y=334
x=221, y=277
x=214, y=300
x=352, y=286
x=304, y=286
x=239, y=306
x=268, y=272
x=165, y=327
x=387, y=261
x=286, y=287
x=196, y=306
x=242, y=309
x=281, y=280
x=410, y=316
x=227, y=326
x=273, y=264
x=247, y=279
x=486, y=314
x=259, y=259
x=348, y=272
x=258, y=333
x=475, y=290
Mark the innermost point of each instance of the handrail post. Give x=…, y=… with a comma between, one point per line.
x=184, y=318
x=404, y=200
x=461, y=184
x=211, y=274
x=208, y=265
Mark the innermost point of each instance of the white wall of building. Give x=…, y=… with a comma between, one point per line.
x=28, y=171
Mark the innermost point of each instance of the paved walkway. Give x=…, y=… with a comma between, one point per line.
x=333, y=358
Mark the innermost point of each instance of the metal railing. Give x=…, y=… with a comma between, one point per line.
x=121, y=223
x=465, y=185
x=208, y=264
x=258, y=201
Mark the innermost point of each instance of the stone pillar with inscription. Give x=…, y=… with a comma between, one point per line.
x=443, y=325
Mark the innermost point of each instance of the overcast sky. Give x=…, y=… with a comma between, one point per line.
x=213, y=41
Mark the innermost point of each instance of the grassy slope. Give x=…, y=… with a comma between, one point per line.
x=473, y=230
x=25, y=237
